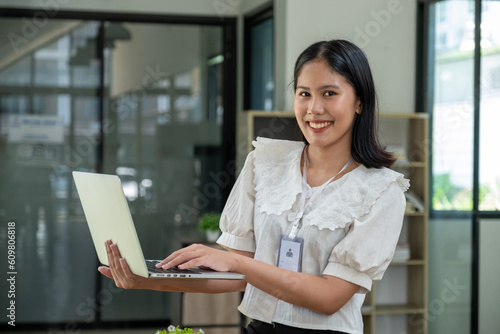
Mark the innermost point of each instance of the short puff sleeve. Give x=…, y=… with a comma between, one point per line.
x=368, y=247
x=236, y=221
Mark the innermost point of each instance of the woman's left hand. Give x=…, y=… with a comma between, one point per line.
x=119, y=270
x=200, y=256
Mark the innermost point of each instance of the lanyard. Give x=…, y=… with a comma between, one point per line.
x=297, y=217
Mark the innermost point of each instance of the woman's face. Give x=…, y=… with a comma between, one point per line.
x=325, y=105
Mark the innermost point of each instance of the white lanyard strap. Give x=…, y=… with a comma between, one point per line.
x=297, y=217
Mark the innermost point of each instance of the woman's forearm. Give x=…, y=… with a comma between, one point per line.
x=325, y=294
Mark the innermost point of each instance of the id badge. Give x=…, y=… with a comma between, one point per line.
x=290, y=253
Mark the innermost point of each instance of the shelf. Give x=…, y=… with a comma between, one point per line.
x=399, y=309
x=366, y=310
x=411, y=164
x=404, y=115
x=412, y=213
x=408, y=263
x=407, y=135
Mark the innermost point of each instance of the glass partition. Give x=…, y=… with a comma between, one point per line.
x=48, y=127
x=163, y=143
x=141, y=100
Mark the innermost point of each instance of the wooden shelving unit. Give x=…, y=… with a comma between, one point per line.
x=408, y=134
x=398, y=303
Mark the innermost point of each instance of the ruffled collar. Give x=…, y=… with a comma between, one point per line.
x=278, y=182
x=277, y=173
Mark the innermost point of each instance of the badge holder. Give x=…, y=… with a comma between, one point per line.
x=290, y=253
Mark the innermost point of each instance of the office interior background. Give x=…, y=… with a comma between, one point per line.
x=158, y=92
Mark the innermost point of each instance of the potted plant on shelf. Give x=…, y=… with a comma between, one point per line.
x=209, y=223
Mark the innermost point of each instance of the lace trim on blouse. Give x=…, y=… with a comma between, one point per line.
x=278, y=182
x=277, y=174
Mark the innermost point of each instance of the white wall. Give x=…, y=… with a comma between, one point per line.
x=384, y=29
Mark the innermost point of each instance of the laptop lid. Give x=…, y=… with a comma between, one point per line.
x=108, y=217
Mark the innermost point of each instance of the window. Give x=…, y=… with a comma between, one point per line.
x=463, y=99
x=453, y=108
x=259, y=61
x=452, y=112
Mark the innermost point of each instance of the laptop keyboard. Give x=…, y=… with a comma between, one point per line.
x=151, y=265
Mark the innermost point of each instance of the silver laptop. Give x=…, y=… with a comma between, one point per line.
x=108, y=217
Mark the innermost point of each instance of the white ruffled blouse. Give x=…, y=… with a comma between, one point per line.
x=350, y=230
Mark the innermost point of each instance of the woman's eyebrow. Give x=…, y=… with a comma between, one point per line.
x=329, y=86
x=320, y=88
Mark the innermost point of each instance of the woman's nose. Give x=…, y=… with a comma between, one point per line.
x=316, y=107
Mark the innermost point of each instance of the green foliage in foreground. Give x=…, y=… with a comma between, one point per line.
x=177, y=330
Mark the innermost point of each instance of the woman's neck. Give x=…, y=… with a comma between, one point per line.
x=324, y=163
x=327, y=159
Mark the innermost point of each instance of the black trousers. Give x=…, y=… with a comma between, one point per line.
x=259, y=327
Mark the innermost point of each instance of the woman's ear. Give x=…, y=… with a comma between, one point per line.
x=359, y=107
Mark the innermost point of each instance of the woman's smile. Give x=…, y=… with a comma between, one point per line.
x=318, y=126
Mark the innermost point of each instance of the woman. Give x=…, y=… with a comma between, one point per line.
x=310, y=224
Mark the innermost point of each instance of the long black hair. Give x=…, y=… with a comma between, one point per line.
x=350, y=61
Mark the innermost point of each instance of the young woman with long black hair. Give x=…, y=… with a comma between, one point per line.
x=310, y=224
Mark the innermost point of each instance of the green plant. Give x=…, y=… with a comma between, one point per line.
x=449, y=196
x=209, y=222
x=176, y=330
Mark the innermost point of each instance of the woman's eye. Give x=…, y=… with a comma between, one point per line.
x=329, y=93
x=304, y=94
